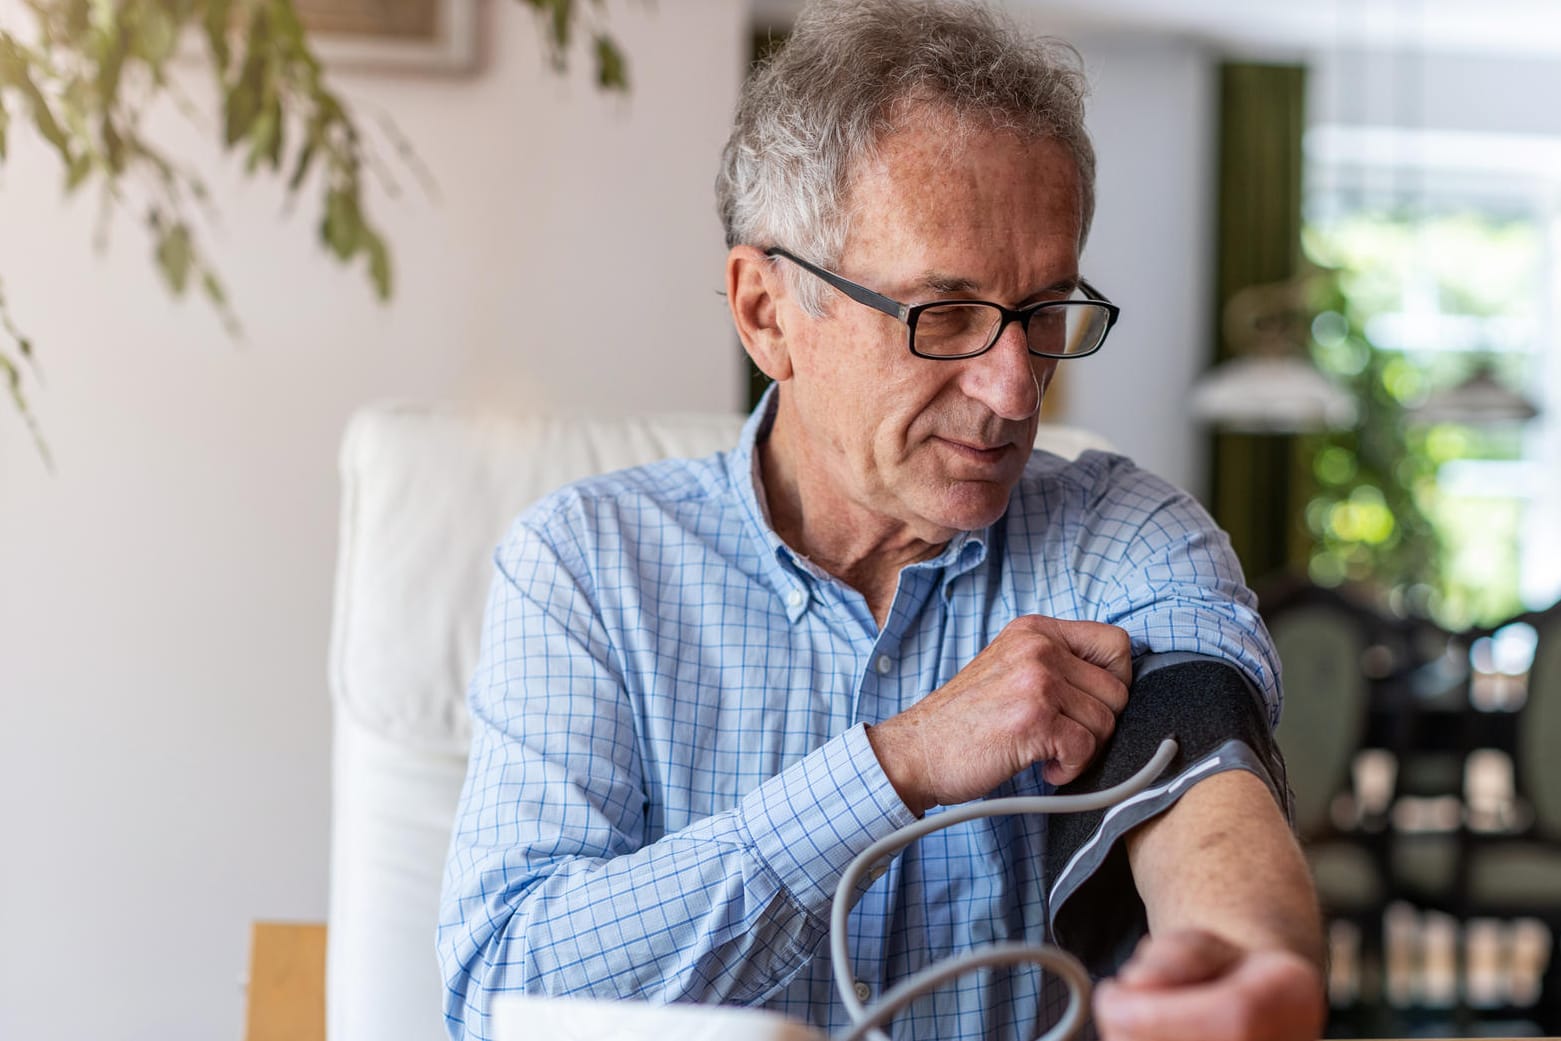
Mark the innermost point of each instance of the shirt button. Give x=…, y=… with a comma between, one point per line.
x=863, y=991
x=884, y=665
x=795, y=598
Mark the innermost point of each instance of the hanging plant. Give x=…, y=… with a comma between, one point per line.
x=92, y=70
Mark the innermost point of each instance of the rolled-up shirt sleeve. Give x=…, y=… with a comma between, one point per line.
x=1152, y=560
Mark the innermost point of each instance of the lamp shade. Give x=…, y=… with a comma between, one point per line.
x=1270, y=395
x=1478, y=400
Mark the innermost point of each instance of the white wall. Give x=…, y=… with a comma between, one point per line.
x=1497, y=94
x=164, y=595
x=1152, y=114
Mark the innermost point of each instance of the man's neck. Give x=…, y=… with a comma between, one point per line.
x=864, y=550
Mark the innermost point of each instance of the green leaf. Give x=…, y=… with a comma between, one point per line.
x=278, y=140
x=611, y=70
x=13, y=378
x=5, y=122
x=265, y=139
x=109, y=70
x=214, y=291
x=304, y=161
x=563, y=13
x=247, y=97
x=556, y=17
x=103, y=16
x=14, y=68
x=219, y=15
x=379, y=263
x=23, y=344
x=343, y=226
x=241, y=109
x=77, y=171
x=113, y=148
x=75, y=104
x=175, y=257
x=157, y=37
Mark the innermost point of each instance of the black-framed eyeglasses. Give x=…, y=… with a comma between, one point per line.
x=947, y=330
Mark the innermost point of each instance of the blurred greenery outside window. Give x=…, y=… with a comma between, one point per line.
x=1456, y=521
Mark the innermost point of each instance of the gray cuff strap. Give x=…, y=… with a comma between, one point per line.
x=1220, y=724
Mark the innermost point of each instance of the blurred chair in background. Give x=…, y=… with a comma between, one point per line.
x=1426, y=767
x=1328, y=651
x=1511, y=866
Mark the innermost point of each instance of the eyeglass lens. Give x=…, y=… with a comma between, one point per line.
x=953, y=329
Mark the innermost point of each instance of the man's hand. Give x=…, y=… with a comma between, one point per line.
x=1191, y=985
x=1045, y=690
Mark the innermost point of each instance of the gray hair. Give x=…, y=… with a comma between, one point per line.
x=848, y=76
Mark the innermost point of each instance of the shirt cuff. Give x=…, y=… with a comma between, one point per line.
x=812, y=819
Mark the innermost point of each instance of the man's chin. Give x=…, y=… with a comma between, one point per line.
x=972, y=505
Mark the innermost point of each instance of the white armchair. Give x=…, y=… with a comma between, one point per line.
x=427, y=493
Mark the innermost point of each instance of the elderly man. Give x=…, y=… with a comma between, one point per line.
x=705, y=686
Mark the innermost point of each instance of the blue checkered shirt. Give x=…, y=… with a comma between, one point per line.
x=669, y=770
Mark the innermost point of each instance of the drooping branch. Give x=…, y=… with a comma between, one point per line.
x=94, y=67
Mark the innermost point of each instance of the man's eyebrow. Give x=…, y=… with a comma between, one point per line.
x=941, y=283
x=938, y=282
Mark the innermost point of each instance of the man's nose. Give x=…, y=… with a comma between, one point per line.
x=1004, y=379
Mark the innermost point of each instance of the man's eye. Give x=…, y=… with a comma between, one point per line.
x=951, y=318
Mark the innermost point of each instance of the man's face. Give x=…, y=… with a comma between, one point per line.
x=901, y=443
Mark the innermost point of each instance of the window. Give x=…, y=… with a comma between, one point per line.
x=1446, y=253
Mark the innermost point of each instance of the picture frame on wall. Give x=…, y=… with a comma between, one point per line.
x=426, y=36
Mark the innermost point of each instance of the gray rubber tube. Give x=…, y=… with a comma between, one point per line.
x=867, y=1021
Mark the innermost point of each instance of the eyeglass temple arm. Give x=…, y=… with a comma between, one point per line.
x=1096, y=295
x=861, y=294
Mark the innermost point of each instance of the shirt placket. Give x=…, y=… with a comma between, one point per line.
x=879, y=694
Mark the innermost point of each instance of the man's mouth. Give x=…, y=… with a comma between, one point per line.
x=977, y=450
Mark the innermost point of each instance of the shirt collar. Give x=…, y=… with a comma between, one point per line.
x=779, y=564
x=792, y=575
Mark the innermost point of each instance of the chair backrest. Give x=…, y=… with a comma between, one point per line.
x=426, y=495
x=1539, y=731
x=1321, y=640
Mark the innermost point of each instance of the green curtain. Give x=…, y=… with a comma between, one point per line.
x=1256, y=479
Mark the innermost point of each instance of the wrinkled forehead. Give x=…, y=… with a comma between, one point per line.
x=995, y=202
x=936, y=173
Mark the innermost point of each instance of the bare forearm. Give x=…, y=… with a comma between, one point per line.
x=1223, y=860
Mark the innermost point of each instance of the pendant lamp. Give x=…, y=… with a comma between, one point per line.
x=1270, y=386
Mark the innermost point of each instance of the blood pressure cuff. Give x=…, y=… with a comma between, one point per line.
x=1220, y=723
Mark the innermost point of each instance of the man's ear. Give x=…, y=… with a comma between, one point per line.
x=754, y=288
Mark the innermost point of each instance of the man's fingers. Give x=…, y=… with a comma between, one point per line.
x=1073, y=746
x=1193, y=1014
x=1106, y=646
x=1099, y=683
x=1096, y=644
x=1179, y=958
x=1265, y=996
